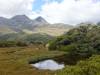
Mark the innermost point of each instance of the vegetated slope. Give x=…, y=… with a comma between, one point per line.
x=6, y=30
x=22, y=39
x=82, y=41
x=38, y=38
x=90, y=66
x=53, y=29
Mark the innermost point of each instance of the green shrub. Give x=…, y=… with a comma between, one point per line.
x=83, y=41
x=88, y=67
x=68, y=48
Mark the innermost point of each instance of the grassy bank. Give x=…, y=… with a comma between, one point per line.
x=15, y=60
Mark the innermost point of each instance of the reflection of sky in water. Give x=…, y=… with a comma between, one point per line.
x=48, y=65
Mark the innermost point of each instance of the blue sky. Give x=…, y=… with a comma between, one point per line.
x=37, y=5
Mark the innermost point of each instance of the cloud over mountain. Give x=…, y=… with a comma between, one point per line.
x=72, y=11
x=54, y=11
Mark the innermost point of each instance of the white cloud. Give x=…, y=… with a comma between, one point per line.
x=67, y=11
x=72, y=11
x=9, y=8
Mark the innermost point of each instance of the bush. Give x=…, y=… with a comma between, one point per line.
x=68, y=48
x=21, y=44
x=82, y=41
x=12, y=43
x=89, y=67
x=7, y=43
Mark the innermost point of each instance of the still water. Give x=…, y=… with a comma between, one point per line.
x=48, y=65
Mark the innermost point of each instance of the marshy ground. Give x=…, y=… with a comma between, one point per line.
x=15, y=60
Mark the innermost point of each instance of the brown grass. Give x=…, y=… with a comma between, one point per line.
x=15, y=60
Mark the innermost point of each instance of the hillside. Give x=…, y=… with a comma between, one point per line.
x=6, y=30
x=53, y=29
x=82, y=41
x=82, y=47
x=21, y=23
x=22, y=39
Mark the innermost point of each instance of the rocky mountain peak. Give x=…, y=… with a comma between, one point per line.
x=20, y=18
x=41, y=19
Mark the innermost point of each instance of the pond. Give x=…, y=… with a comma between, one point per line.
x=48, y=65
x=56, y=63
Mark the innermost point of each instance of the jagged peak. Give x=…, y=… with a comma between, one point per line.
x=40, y=18
x=20, y=17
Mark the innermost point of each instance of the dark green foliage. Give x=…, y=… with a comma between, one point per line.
x=12, y=43
x=21, y=43
x=22, y=39
x=82, y=41
x=90, y=66
x=7, y=43
x=38, y=38
x=68, y=48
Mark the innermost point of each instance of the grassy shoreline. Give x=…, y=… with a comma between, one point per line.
x=15, y=60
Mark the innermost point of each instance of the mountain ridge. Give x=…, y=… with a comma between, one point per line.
x=21, y=23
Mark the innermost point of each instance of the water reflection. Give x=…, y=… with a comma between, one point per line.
x=48, y=65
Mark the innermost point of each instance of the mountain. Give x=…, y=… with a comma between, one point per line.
x=40, y=21
x=21, y=23
x=20, y=20
x=26, y=23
